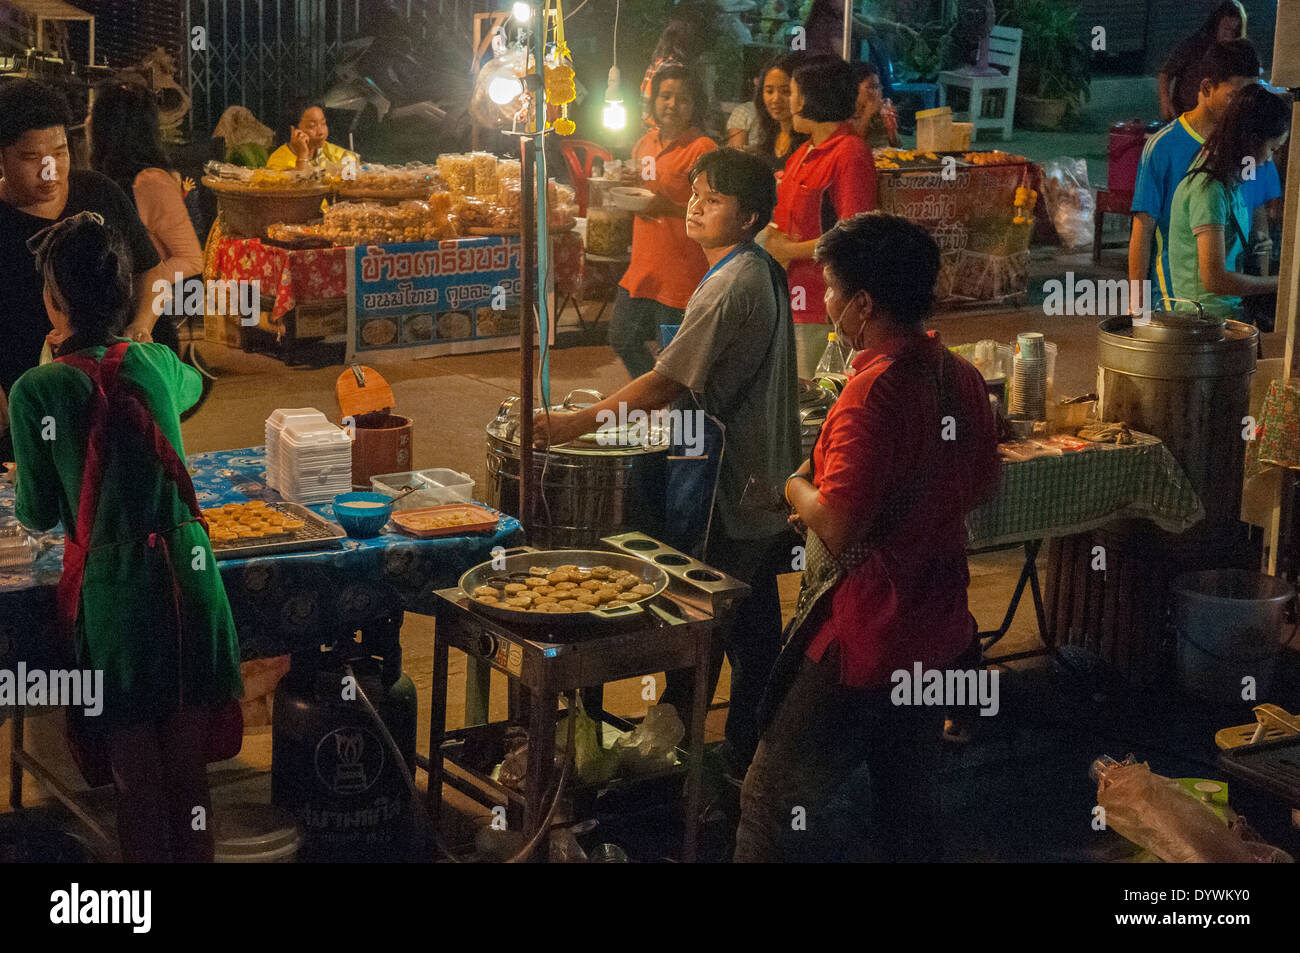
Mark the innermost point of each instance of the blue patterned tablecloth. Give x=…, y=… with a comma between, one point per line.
x=287, y=602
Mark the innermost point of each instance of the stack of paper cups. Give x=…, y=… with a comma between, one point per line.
x=1029, y=376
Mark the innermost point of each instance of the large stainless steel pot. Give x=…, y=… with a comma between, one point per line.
x=1187, y=381
x=588, y=491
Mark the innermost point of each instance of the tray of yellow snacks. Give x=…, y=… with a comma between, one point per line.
x=993, y=157
x=259, y=528
x=913, y=160
x=451, y=519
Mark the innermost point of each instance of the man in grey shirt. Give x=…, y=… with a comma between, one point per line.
x=732, y=365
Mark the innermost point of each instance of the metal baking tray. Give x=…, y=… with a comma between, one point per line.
x=317, y=533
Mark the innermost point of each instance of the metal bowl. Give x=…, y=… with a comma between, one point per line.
x=515, y=569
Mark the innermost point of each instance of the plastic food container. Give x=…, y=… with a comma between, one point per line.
x=631, y=199
x=437, y=486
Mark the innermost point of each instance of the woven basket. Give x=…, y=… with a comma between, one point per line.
x=249, y=212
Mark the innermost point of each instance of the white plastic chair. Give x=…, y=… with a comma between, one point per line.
x=1004, y=53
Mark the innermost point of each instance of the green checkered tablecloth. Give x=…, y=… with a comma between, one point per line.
x=1083, y=490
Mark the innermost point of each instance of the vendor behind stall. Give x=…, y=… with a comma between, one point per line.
x=308, y=146
x=908, y=449
x=732, y=361
x=98, y=446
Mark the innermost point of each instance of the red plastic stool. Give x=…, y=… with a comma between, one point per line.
x=579, y=154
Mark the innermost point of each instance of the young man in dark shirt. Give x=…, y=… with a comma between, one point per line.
x=37, y=188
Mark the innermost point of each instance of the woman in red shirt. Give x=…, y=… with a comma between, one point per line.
x=832, y=177
x=666, y=266
x=907, y=451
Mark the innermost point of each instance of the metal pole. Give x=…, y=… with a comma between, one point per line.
x=528, y=268
x=848, y=30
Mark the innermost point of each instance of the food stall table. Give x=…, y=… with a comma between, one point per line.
x=1054, y=496
x=281, y=604
x=969, y=206
x=287, y=274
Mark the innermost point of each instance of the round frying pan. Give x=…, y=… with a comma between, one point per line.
x=516, y=570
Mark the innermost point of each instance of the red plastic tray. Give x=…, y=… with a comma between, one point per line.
x=408, y=521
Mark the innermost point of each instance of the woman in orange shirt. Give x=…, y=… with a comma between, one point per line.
x=831, y=178
x=666, y=265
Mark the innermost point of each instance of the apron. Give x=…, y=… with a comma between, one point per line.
x=823, y=571
x=692, y=481
x=112, y=401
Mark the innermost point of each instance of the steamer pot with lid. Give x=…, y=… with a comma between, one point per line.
x=588, y=491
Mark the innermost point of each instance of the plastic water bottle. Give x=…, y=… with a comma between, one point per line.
x=832, y=370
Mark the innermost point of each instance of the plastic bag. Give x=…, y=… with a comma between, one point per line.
x=651, y=746
x=1069, y=200
x=593, y=764
x=1155, y=813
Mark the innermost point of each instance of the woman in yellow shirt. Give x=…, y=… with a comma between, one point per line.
x=307, y=147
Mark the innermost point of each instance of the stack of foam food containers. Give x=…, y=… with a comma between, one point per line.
x=308, y=459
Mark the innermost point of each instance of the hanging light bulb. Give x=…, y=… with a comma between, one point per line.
x=522, y=11
x=613, y=116
x=499, y=93
x=504, y=89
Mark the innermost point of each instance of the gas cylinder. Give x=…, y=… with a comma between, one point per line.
x=330, y=766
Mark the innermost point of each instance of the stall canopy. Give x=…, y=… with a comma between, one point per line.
x=44, y=11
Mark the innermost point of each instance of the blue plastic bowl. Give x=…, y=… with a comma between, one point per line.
x=362, y=522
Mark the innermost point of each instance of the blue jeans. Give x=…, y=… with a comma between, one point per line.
x=634, y=323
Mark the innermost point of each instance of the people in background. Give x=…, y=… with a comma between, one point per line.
x=666, y=265
x=884, y=501
x=126, y=146
x=686, y=38
x=1167, y=155
x=775, y=138
x=824, y=28
x=140, y=598
x=732, y=360
x=741, y=122
x=871, y=120
x=38, y=188
x=1180, y=77
x=308, y=146
x=832, y=177
x=1209, y=222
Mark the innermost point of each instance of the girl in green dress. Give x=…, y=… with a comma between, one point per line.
x=98, y=446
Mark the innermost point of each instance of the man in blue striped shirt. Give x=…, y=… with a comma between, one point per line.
x=1168, y=154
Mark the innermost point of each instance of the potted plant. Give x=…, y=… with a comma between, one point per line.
x=1054, y=60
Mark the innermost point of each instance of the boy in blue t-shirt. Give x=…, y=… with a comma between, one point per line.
x=1225, y=68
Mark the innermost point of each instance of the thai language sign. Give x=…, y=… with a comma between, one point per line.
x=972, y=217
x=430, y=298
